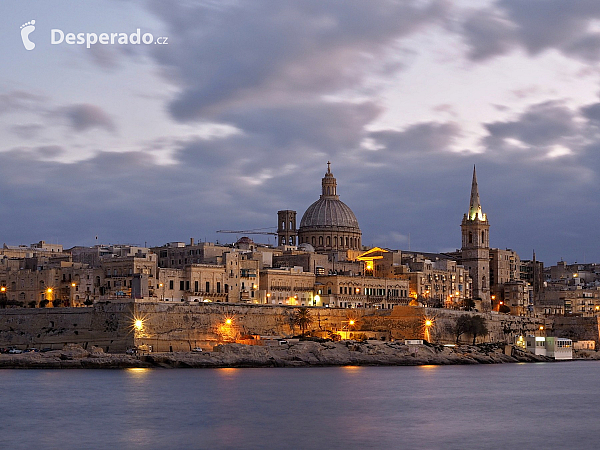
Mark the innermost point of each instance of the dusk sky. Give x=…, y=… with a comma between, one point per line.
x=236, y=117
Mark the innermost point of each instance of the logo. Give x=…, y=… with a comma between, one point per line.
x=26, y=30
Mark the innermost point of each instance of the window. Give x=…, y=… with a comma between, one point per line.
x=181, y=285
x=470, y=237
x=196, y=286
x=219, y=288
x=187, y=285
x=207, y=286
x=328, y=241
x=171, y=284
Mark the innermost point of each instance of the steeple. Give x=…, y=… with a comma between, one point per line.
x=329, y=184
x=475, y=212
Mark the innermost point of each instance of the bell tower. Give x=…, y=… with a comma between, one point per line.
x=286, y=227
x=476, y=247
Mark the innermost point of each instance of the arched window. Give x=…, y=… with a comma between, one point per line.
x=313, y=241
x=291, y=240
x=346, y=241
x=328, y=241
x=470, y=237
x=483, y=282
x=320, y=241
x=335, y=241
x=483, y=237
x=291, y=225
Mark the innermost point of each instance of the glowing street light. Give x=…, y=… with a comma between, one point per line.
x=3, y=289
x=138, y=324
x=228, y=321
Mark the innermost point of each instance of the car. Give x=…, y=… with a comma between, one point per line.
x=283, y=342
x=131, y=351
x=15, y=351
x=197, y=349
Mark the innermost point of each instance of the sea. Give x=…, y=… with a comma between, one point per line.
x=504, y=406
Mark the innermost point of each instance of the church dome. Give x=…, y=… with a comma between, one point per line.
x=329, y=224
x=327, y=212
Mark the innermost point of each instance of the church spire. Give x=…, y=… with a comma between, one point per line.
x=475, y=204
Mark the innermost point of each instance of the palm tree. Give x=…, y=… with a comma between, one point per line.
x=303, y=319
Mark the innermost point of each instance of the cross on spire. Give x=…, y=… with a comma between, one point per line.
x=328, y=167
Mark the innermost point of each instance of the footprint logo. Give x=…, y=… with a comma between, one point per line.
x=26, y=30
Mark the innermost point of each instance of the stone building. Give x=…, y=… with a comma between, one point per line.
x=505, y=267
x=287, y=286
x=329, y=224
x=475, y=253
x=343, y=291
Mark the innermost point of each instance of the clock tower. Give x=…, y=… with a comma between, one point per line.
x=476, y=247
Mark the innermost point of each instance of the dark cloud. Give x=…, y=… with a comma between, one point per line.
x=277, y=52
x=535, y=25
x=84, y=116
x=541, y=125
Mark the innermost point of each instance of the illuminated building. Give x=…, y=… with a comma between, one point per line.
x=475, y=254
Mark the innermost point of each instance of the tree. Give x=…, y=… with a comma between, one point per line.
x=44, y=303
x=477, y=327
x=462, y=326
x=469, y=304
x=303, y=319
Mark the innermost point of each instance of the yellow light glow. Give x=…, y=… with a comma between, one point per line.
x=541, y=327
x=72, y=284
x=268, y=295
x=49, y=290
x=457, y=293
x=228, y=321
x=351, y=322
x=138, y=324
x=3, y=289
x=493, y=297
x=428, y=323
x=160, y=285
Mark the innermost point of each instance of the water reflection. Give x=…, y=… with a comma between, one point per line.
x=375, y=407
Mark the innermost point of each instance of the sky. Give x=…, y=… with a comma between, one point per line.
x=235, y=114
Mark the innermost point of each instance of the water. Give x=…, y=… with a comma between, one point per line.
x=547, y=405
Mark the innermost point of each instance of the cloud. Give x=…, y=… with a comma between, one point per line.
x=535, y=26
x=270, y=53
x=15, y=101
x=85, y=116
x=541, y=125
x=27, y=131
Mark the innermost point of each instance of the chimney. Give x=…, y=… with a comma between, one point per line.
x=191, y=241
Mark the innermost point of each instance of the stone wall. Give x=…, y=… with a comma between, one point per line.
x=182, y=326
x=105, y=325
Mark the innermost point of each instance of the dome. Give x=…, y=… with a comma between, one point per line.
x=329, y=224
x=328, y=212
x=306, y=247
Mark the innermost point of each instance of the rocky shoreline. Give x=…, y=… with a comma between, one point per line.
x=297, y=354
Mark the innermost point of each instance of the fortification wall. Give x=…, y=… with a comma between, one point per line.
x=181, y=327
x=104, y=325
